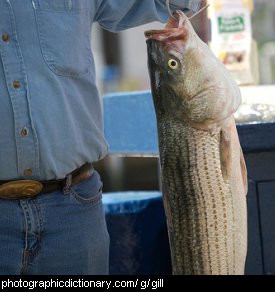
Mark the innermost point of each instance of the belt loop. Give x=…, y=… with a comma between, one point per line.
x=68, y=183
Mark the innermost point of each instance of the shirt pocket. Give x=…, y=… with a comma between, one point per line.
x=64, y=31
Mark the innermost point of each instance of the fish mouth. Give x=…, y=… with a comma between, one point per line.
x=174, y=30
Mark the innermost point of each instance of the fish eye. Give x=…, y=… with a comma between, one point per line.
x=173, y=64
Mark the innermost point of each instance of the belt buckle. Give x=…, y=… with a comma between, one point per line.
x=20, y=189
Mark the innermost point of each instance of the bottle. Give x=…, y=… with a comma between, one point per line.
x=231, y=38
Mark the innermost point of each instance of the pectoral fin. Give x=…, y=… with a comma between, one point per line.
x=232, y=160
x=243, y=171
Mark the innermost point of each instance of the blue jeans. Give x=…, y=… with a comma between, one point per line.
x=55, y=233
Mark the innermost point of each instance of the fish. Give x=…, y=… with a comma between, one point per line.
x=203, y=171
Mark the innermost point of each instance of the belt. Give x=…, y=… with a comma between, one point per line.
x=21, y=189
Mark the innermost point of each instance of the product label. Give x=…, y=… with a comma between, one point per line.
x=232, y=36
x=231, y=24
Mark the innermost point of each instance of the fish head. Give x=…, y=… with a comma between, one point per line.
x=188, y=82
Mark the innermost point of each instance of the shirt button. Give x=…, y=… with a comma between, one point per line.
x=16, y=84
x=5, y=37
x=24, y=132
x=28, y=172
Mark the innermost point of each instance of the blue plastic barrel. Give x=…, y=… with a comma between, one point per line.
x=138, y=233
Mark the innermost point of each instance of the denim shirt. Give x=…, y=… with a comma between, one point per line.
x=50, y=111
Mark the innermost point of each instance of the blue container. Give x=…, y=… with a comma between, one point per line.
x=137, y=228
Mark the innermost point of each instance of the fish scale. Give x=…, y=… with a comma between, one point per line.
x=200, y=219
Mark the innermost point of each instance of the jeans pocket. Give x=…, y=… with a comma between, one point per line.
x=64, y=32
x=89, y=191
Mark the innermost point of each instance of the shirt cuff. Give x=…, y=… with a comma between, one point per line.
x=193, y=5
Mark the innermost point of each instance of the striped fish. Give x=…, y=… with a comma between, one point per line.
x=203, y=170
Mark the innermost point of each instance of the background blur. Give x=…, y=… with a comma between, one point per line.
x=121, y=58
x=121, y=65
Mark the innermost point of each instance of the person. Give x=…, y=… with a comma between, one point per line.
x=52, y=220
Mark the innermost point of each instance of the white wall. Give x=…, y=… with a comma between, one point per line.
x=134, y=54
